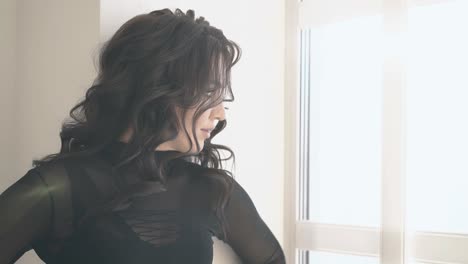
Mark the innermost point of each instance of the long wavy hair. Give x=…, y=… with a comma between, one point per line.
x=153, y=63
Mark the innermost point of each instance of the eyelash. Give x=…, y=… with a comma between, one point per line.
x=209, y=94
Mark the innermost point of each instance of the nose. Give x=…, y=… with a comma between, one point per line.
x=219, y=112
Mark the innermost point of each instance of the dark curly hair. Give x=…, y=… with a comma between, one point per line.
x=153, y=63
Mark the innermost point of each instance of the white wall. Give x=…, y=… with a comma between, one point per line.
x=255, y=119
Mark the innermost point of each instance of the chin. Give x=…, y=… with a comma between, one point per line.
x=201, y=148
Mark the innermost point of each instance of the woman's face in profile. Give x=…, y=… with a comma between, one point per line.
x=207, y=121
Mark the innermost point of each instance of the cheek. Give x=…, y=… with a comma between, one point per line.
x=206, y=115
x=188, y=120
x=203, y=120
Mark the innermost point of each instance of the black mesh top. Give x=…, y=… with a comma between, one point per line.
x=41, y=211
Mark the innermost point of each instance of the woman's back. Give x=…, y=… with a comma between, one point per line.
x=58, y=210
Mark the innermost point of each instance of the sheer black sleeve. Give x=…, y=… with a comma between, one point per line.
x=247, y=233
x=25, y=215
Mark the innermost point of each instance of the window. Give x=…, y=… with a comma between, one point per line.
x=437, y=145
x=377, y=135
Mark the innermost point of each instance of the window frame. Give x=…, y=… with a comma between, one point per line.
x=391, y=243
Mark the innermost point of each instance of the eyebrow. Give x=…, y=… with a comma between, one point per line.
x=216, y=83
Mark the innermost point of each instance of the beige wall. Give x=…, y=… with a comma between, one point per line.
x=49, y=49
x=8, y=125
x=56, y=41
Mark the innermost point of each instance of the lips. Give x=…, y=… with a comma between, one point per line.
x=207, y=132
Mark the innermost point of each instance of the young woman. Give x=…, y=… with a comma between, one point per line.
x=137, y=179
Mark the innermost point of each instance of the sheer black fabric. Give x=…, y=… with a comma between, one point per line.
x=48, y=210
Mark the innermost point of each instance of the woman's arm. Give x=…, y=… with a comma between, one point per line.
x=25, y=215
x=247, y=234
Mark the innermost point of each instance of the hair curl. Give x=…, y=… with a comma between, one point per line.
x=153, y=63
